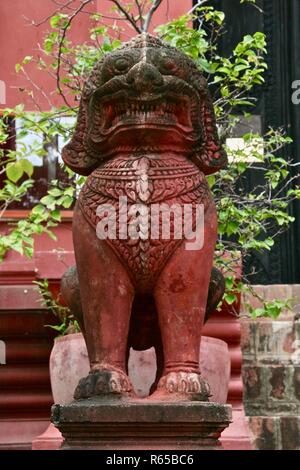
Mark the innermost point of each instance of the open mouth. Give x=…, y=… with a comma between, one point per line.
x=166, y=112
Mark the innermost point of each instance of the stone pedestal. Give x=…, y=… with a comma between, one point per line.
x=134, y=425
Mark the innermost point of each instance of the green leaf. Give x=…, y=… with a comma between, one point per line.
x=56, y=215
x=55, y=192
x=205, y=65
x=67, y=201
x=59, y=21
x=225, y=70
x=39, y=209
x=27, y=59
x=232, y=227
x=258, y=312
x=14, y=171
x=47, y=200
x=218, y=79
x=211, y=179
x=230, y=298
x=229, y=282
x=26, y=166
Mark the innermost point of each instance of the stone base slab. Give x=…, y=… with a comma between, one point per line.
x=134, y=425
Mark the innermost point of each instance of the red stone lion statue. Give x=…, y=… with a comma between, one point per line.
x=145, y=138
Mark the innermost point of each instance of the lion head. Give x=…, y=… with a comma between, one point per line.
x=146, y=96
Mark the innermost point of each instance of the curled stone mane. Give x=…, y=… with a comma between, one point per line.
x=146, y=40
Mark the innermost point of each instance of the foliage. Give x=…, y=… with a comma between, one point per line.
x=270, y=309
x=67, y=324
x=247, y=220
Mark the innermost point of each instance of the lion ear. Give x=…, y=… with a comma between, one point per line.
x=210, y=156
x=74, y=153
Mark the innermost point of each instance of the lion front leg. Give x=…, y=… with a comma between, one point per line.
x=181, y=297
x=106, y=295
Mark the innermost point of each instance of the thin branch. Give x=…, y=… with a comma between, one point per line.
x=198, y=4
x=71, y=18
x=127, y=15
x=140, y=11
x=151, y=12
x=38, y=88
x=255, y=6
x=4, y=207
x=61, y=7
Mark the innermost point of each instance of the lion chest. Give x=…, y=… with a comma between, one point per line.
x=129, y=197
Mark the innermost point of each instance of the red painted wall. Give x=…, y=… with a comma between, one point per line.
x=19, y=39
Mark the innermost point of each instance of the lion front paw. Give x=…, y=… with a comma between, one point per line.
x=189, y=384
x=103, y=382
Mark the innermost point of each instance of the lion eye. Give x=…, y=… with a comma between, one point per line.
x=122, y=64
x=169, y=65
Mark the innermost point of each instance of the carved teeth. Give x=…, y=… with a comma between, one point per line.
x=119, y=111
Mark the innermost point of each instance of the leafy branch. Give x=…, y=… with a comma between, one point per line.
x=67, y=324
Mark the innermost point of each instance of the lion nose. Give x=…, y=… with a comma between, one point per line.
x=144, y=76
